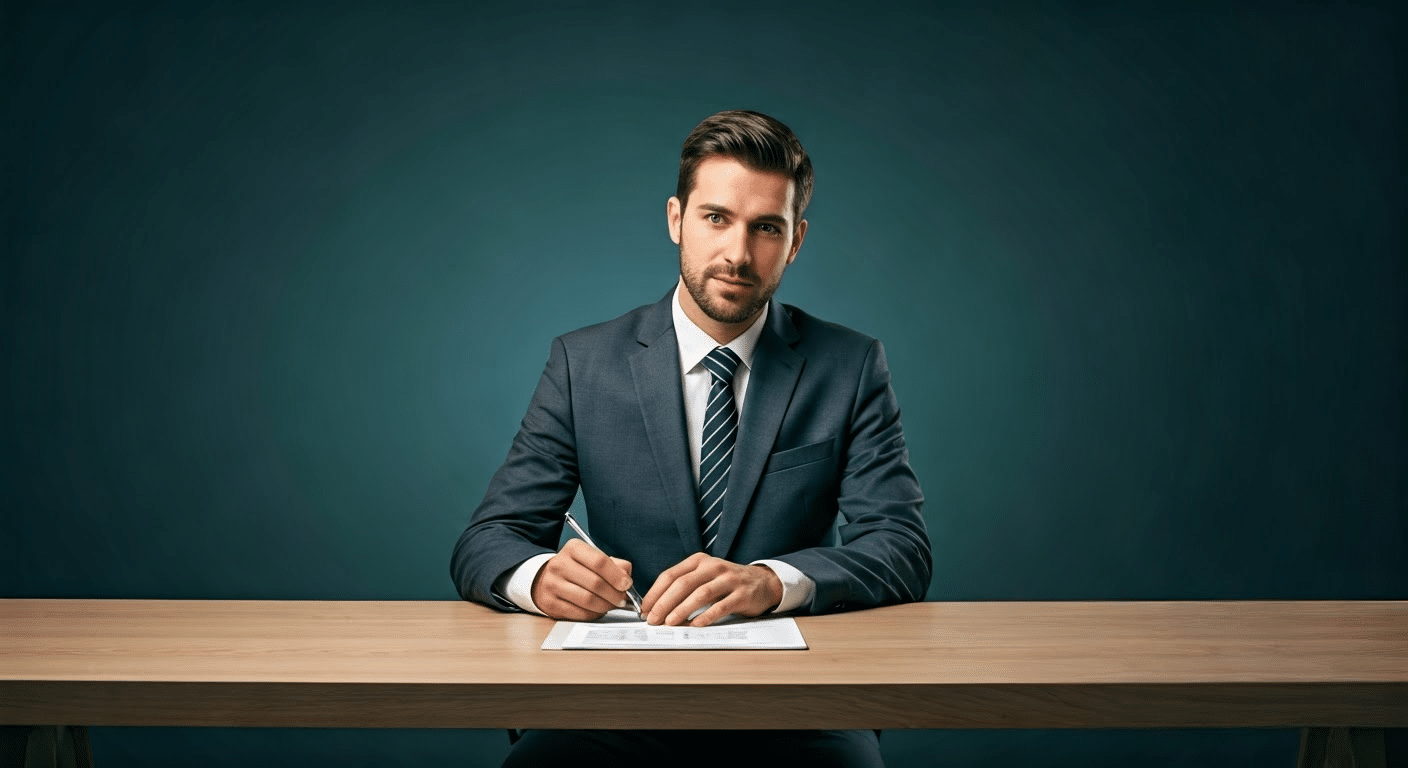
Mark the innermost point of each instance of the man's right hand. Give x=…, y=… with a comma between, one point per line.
x=581, y=583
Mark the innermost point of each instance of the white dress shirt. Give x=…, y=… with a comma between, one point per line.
x=694, y=345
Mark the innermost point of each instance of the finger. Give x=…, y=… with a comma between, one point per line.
x=593, y=587
x=669, y=591
x=704, y=595
x=631, y=603
x=746, y=591
x=667, y=578
x=592, y=570
x=584, y=599
x=688, y=593
x=559, y=598
x=607, y=568
x=717, y=611
x=662, y=583
x=575, y=583
x=557, y=608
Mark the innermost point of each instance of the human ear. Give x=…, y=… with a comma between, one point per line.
x=674, y=213
x=797, y=241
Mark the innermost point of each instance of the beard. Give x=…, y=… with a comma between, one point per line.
x=696, y=283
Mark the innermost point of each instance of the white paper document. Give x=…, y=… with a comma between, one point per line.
x=623, y=630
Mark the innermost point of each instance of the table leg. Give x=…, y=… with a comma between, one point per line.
x=1341, y=748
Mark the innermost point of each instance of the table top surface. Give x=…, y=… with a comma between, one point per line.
x=459, y=643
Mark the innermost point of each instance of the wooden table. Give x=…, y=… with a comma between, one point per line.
x=924, y=665
x=1324, y=666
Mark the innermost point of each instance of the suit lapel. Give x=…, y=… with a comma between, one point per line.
x=771, y=382
x=656, y=373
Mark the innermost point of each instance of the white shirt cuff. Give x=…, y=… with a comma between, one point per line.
x=797, y=589
x=518, y=587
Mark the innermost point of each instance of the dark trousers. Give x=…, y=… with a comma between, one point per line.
x=814, y=749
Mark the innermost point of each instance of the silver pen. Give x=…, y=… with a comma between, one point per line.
x=630, y=593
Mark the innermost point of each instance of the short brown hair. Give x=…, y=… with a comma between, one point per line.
x=754, y=139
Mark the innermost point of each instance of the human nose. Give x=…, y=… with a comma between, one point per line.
x=737, y=249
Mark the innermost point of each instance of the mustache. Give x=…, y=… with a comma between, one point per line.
x=742, y=272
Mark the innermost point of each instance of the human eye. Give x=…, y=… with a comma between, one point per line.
x=769, y=229
x=714, y=218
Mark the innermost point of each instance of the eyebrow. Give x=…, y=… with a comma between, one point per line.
x=771, y=218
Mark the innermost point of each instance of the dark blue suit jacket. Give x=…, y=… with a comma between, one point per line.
x=819, y=434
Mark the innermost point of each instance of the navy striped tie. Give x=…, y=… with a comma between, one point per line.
x=716, y=449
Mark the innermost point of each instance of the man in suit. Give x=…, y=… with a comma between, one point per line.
x=716, y=436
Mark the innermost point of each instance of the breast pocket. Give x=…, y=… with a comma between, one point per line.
x=795, y=502
x=799, y=456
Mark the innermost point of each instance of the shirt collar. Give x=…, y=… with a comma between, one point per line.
x=694, y=343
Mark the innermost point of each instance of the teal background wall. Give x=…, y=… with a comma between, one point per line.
x=277, y=281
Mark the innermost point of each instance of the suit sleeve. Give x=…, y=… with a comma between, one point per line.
x=884, y=555
x=522, y=512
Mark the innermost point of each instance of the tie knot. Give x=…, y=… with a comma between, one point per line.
x=722, y=362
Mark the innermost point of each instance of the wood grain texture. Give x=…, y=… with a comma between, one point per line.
x=924, y=665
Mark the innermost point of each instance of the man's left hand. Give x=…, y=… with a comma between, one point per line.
x=744, y=590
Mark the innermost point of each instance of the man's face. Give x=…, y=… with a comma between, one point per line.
x=736, y=237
